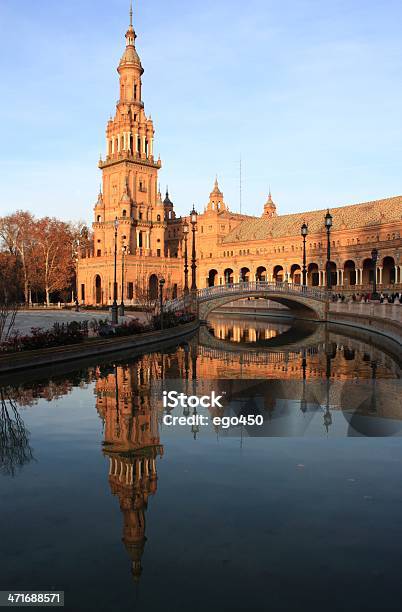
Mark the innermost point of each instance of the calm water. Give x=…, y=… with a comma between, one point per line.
x=101, y=499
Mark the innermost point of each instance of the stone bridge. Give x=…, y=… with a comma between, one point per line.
x=306, y=302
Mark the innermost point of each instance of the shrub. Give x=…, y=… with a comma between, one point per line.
x=59, y=335
x=129, y=328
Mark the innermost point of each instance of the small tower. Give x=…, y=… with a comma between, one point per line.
x=269, y=207
x=168, y=206
x=99, y=208
x=216, y=203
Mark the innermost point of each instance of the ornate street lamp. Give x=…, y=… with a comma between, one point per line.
x=124, y=251
x=304, y=232
x=185, y=233
x=114, y=307
x=161, y=283
x=193, y=218
x=374, y=259
x=328, y=225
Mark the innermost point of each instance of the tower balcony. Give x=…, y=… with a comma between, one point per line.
x=136, y=158
x=131, y=102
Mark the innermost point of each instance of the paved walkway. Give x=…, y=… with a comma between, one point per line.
x=45, y=319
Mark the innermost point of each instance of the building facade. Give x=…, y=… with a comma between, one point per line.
x=131, y=216
x=270, y=247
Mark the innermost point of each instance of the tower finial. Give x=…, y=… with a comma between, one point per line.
x=131, y=14
x=270, y=195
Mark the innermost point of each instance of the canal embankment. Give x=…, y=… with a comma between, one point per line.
x=151, y=341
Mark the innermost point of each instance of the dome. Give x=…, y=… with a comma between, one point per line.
x=130, y=57
x=167, y=201
x=216, y=192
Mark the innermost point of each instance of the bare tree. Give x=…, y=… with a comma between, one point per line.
x=148, y=304
x=17, y=235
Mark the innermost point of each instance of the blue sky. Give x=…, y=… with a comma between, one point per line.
x=309, y=92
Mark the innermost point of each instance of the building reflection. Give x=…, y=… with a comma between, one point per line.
x=221, y=356
x=132, y=445
x=243, y=331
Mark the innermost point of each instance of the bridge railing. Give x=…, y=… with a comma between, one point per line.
x=263, y=287
x=208, y=293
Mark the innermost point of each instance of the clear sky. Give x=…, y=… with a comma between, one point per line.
x=309, y=92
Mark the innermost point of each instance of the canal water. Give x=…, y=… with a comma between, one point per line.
x=288, y=496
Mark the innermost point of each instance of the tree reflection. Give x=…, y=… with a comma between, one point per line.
x=15, y=450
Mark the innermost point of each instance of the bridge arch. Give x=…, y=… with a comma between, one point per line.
x=305, y=302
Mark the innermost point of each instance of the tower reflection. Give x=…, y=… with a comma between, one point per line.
x=131, y=442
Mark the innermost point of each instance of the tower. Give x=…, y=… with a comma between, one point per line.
x=147, y=228
x=269, y=207
x=129, y=172
x=216, y=203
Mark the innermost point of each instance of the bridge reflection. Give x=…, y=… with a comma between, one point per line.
x=226, y=349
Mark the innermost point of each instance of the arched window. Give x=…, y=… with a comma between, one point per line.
x=99, y=219
x=124, y=213
x=158, y=218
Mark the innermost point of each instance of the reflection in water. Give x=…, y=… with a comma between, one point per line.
x=313, y=376
x=131, y=442
x=296, y=352
x=15, y=450
x=243, y=331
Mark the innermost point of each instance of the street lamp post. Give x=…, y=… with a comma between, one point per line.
x=185, y=233
x=76, y=301
x=328, y=225
x=114, y=306
x=161, y=283
x=304, y=232
x=193, y=217
x=374, y=259
x=123, y=254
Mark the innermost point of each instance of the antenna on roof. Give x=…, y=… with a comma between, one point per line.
x=240, y=184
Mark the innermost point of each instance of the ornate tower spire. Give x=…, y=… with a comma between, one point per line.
x=216, y=202
x=269, y=206
x=131, y=14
